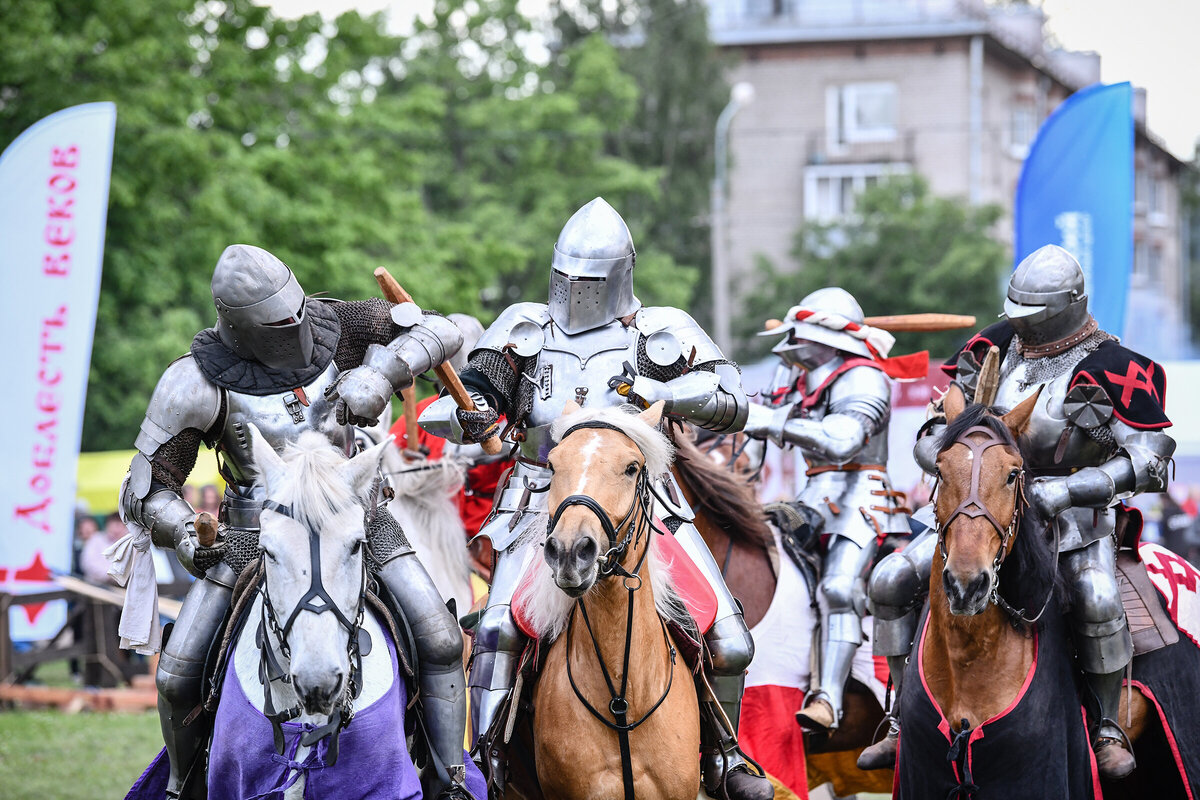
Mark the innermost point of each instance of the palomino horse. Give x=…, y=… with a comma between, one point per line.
x=614, y=708
x=754, y=565
x=989, y=706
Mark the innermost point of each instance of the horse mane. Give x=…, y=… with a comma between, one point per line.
x=313, y=485
x=723, y=495
x=547, y=608
x=655, y=446
x=1031, y=569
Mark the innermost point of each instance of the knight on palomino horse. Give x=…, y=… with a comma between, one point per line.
x=595, y=344
x=1094, y=438
x=287, y=364
x=832, y=399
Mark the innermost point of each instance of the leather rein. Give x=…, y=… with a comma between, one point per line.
x=633, y=524
x=317, y=601
x=973, y=507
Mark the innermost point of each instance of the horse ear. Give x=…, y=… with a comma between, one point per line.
x=1017, y=420
x=267, y=462
x=571, y=407
x=361, y=470
x=953, y=402
x=653, y=415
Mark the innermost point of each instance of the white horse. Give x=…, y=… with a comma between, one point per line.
x=312, y=691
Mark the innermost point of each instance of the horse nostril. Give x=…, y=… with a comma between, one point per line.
x=552, y=552
x=585, y=551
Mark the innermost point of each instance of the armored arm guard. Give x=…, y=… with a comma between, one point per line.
x=183, y=408
x=859, y=407
x=426, y=342
x=1139, y=465
x=707, y=388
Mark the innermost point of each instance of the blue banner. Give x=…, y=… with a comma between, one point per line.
x=1076, y=190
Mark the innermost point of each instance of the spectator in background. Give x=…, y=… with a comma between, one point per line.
x=85, y=527
x=189, y=494
x=92, y=561
x=210, y=499
x=1174, y=525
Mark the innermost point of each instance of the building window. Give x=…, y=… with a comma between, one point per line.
x=1022, y=128
x=861, y=112
x=1156, y=213
x=1141, y=261
x=830, y=189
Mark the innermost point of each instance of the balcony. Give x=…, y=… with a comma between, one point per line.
x=763, y=21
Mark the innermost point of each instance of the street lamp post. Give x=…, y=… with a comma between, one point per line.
x=742, y=94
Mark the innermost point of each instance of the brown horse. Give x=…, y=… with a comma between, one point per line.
x=613, y=713
x=980, y=666
x=732, y=523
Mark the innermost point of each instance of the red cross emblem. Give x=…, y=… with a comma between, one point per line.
x=1135, y=378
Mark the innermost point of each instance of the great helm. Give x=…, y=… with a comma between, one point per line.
x=591, y=277
x=799, y=334
x=1046, y=300
x=261, y=311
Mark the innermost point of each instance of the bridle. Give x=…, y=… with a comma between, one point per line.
x=633, y=526
x=973, y=507
x=316, y=601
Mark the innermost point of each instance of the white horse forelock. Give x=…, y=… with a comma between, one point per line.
x=313, y=485
x=545, y=606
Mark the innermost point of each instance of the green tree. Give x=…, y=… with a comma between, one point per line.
x=902, y=251
x=447, y=156
x=664, y=45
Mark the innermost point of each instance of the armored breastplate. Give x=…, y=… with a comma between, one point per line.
x=1054, y=445
x=575, y=367
x=281, y=418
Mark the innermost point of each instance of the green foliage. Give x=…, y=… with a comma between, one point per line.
x=446, y=156
x=903, y=251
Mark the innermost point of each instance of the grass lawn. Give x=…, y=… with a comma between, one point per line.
x=49, y=755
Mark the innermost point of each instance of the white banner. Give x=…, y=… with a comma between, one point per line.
x=53, y=204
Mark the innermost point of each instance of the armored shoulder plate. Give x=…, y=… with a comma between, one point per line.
x=521, y=325
x=669, y=321
x=182, y=399
x=864, y=391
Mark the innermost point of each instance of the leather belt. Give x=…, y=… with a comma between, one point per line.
x=851, y=467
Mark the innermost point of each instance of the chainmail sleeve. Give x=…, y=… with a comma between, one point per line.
x=364, y=323
x=648, y=369
x=173, y=462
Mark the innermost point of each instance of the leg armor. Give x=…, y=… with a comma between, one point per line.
x=725, y=770
x=439, y=653
x=843, y=600
x=1101, y=636
x=180, y=680
x=498, y=642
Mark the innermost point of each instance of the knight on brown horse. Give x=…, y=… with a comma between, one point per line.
x=1094, y=437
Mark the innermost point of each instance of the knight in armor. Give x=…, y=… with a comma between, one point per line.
x=832, y=399
x=595, y=343
x=1095, y=438
x=286, y=363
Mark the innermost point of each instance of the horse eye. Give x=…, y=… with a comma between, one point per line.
x=1012, y=476
x=357, y=547
x=269, y=555
x=632, y=469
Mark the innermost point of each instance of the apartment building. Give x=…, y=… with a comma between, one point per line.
x=849, y=91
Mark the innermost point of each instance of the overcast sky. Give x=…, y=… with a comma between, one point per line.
x=1153, y=43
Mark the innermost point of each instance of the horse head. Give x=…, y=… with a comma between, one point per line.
x=599, y=492
x=312, y=536
x=980, y=476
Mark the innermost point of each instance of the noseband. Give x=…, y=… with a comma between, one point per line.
x=317, y=601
